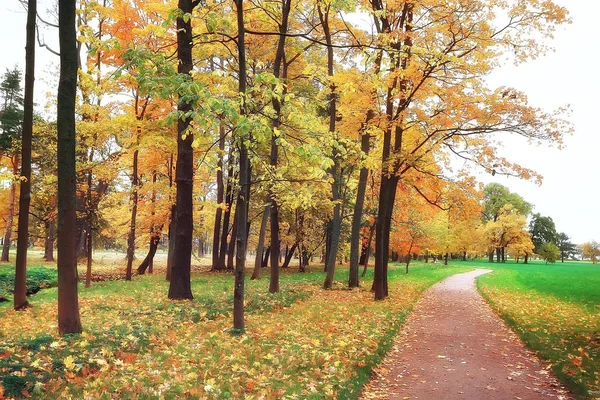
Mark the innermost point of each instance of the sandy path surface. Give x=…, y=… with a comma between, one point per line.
x=454, y=346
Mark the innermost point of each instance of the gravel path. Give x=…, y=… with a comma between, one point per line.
x=454, y=346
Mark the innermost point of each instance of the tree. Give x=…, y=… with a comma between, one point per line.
x=180, y=284
x=435, y=70
x=591, y=250
x=567, y=249
x=68, y=303
x=20, y=293
x=549, y=252
x=244, y=183
x=496, y=198
x=11, y=124
x=542, y=230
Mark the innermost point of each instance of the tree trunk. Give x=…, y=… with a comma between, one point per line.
x=232, y=242
x=265, y=259
x=242, y=204
x=88, y=270
x=491, y=256
x=289, y=255
x=150, y=256
x=68, y=302
x=134, y=201
x=171, y=247
x=464, y=257
x=11, y=210
x=180, y=285
x=446, y=259
x=526, y=259
x=387, y=195
x=49, y=241
x=261, y=244
x=498, y=255
x=20, y=292
x=227, y=214
x=368, y=250
x=219, y=211
x=355, y=241
x=336, y=221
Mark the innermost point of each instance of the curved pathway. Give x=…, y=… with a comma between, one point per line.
x=454, y=346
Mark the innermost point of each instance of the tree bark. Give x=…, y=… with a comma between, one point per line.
x=11, y=210
x=289, y=255
x=219, y=211
x=227, y=214
x=150, y=256
x=20, y=292
x=232, y=243
x=49, y=241
x=134, y=201
x=368, y=250
x=336, y=221
x=180, y=284
x=261, y=244
x=355, y=240
x=68, y=302
x=244, y=192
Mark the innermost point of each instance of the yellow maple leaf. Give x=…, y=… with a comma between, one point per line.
x=69, y=362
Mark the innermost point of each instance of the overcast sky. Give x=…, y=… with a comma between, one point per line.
x=570, y=193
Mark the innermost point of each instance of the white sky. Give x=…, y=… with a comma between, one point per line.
x=570, y=193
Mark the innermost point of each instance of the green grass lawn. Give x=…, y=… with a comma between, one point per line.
x=304, y=343
x=555, y=309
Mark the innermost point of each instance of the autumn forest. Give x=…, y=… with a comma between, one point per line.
x=255, y=168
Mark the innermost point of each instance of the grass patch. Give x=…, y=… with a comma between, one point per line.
x=555, y=309
x=303, y=342
x=38, y=278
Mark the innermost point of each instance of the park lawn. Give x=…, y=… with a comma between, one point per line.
x=555, y=309
x=301, y=343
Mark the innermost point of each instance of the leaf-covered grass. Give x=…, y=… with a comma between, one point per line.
x=555, y=309
x=38, y=277
x=302, y=343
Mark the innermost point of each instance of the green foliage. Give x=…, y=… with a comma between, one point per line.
x=37, y=278
x=11, y=109
x=549, y=252
x=497, y=196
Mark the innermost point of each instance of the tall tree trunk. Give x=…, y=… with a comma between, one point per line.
x=368, y=250
x=68, y=302
x=11, y=210
x=171, y=246
x=150, y=256
x=49, y=241
x=232, y=242
x=279, y=56
x=171, y=232
x=289, y=255
x=219, y=211
x=242, y=203
x=261, y=243
x=387, y=195
x=180, y=284
x=491, y=256
x=134, y=201
x=88, y=271
x=227, y=214
x=336, y=222
x=355, y=240
x=20, y=293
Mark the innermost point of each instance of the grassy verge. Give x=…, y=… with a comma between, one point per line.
x=555, y=309
x=301, y=343
x=38, y=278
